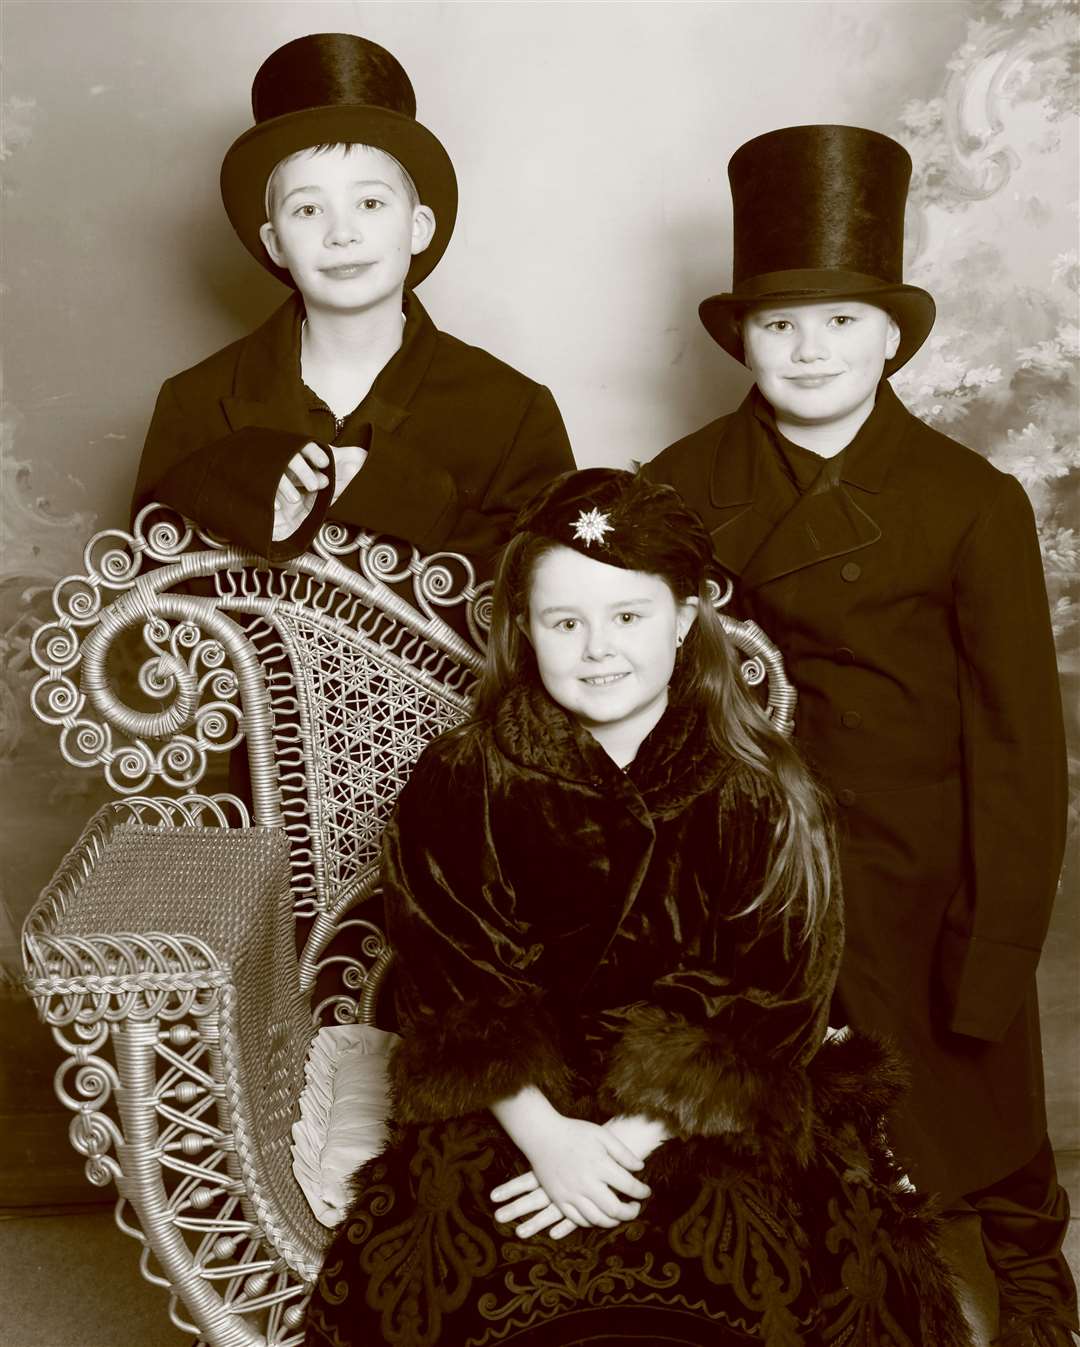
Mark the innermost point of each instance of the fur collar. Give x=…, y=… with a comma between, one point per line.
x=676, y=763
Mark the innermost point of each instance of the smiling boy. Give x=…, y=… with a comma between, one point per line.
x=818, y=367
x=347, y=403
x=900, y=575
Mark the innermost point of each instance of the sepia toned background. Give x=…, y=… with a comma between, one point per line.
x=590, y=142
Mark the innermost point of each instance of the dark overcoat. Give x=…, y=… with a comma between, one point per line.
x=561, y=923
x=457, y=441
x=907, y=597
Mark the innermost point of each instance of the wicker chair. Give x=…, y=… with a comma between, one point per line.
x=185, y=952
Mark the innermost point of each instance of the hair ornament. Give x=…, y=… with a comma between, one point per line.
x=623, y=519
x=591, y=526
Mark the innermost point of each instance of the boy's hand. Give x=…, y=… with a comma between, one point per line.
x=348, y=460
x=300, y=483
x=578, y=1172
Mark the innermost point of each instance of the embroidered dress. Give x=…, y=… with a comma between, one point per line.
x=562, y=923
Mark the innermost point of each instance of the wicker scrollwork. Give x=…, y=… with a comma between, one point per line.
x=164, y=953
x=337, y=668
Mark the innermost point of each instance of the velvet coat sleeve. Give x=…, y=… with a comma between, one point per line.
x=539, y=451
x=723, y=1044
x=400, y=491
x=473, y=1016
x=1015, y=783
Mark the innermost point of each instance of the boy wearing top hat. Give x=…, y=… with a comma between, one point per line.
x=900, y=575
x=347, y=402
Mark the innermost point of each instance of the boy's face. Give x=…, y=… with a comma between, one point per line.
x=345, y=228
x=817, y=362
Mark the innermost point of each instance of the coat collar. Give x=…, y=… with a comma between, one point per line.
x=766, y=529
x=675, y=764
x=269, y=392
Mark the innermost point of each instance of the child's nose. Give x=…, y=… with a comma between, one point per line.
x=597, y=644
x=811, y=345
x=343, y=230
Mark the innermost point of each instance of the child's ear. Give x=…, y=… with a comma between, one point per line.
x=686, y=616
x=892, y=340
x=268, y=234
x=423, y=228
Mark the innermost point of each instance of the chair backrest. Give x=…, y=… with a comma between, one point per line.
x=337, y=668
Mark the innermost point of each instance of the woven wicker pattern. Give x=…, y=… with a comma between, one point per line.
x=229, y=889
x=367, y=715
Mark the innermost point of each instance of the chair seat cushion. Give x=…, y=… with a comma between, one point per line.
x=343, y=1110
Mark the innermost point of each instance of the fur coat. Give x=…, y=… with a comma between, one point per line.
x=559, y=922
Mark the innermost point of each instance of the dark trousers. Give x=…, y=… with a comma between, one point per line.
x=1024, y=1218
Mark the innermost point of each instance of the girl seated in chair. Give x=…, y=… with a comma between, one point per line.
x=613, y=900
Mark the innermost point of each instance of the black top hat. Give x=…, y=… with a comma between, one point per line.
x=819, y=214
x=330, y=88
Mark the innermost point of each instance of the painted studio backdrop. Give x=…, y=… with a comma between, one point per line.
x=590, y=142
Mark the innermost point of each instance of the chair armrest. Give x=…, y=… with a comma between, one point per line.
x=163, y=957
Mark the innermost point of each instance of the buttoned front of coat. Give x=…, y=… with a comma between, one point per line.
x=908, y=601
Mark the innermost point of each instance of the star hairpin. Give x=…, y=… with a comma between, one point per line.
x=590, y=526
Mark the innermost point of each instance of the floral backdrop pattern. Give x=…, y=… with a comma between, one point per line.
x=994, y=182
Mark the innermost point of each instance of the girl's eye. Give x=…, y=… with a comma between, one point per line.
x=778, y=325
x=370, y=203
x=567, y=624
x=627, y=619
x=843, y=319
x=306, y=212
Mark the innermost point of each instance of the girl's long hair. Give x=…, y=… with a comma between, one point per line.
x=802, y=867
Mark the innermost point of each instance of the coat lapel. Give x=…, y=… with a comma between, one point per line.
x=779, y=531
x=819, y=527
x=270, y=393
x=267, y=391
x=747, y=500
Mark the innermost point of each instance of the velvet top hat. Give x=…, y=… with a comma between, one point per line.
x=818, y=215
x=330, y=88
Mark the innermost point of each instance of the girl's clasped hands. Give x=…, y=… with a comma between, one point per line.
x=583, y=1174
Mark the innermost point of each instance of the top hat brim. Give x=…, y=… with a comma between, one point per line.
x=253, y=157
x=913, y=309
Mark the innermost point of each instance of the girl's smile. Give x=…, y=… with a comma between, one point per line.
x=605, y=641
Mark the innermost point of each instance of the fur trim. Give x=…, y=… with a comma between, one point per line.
x=859, y=1078
x=673, y=1070
x=470, y=1056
